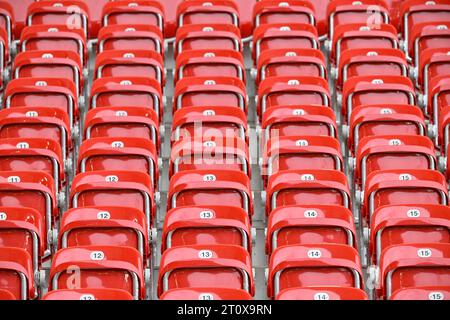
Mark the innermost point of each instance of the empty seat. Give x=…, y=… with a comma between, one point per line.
x=114, y=188
x=433, y=62
x=50, y=38
x=217, y=266
x=129, y=63
x=422, y=293
x=216, y=121
x=376, y=90
x=408, y=224
x=307, y=187
x=292, y=63
x=287, y=90
x=384, y=119
x=206, y=294
x=438, y=96
x=206, y=91
x=99, y=267
x=409, y=266
x=130, y=37
x=278, y=11
x=7, y=22
x=55, y=13
x=292, y=225
x=298, y=120
x=210, y=187
x=208, y=36
x=193, y=12
x=16, y=271
x=322, y=293
x=88, y=294
x=24, y=228
x=127, y=91
x=206, y=225
x=133, y=12
x=390, y=187
x=119, y=122
x=104, y=226
x=219, y=153
x=131, y=154
x=284, y=36
x=443, y=138
x=49, y=92
x=393, y=152
x=209, y=63
x=314, y=265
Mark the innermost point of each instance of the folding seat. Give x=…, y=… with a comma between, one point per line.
x=88, y=294
x=384, y=119
x=428, y=35
x=220, y=153
x=301, y=153
x=414, y=265
x=122, y=153
x=130, y=37
x=49, y=92
x=99, y=226
x=422, y=293
x=396, y=187
x=284, y=36
x=443, y=137
x=206, y=294
x=313, y=265
x=298, y=120
x=307, y=187
x=387, y=152
x=33, y=154
x=298, y=225
x=292, y=63
x=361, y=36
x=30, y=189
x=438, y=96
x=127, y=91
x=44, y=122
x=342, y=12
x=284, y=91
x=18, y=12
x=415, y=12
x=364, y=90
x=207, y=37
x=408, y=224
x=17, y=274
x=322, y=293
x=7, y=23
x=200, y=266
x=193, y=12
x=207, y=91
x=56, y=64
x=114, y=188
x=210, y=63
x=206, y=225
x=210, y=188
x=209, y=122
x=279, y=11
x=124, y=63
x=370, y=62
x=134, y=12
x=51, y=38
x=24, y=228
x=103, y=267
x=432, y=63
x=118, y=122
x=71, y=13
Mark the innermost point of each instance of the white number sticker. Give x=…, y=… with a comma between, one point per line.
x=395, y=142
x=22, y=145
x=121, y=113
x=118, y=144
x=310, y=214
x=97, y=255
x=314, y=254
x=413, y=213
x=209, y=177
x=209, y=144
x=435, y=295
x=321, y=296
x=307, y=177
x=301, y=143
x=87, y=297
x=405, y=177
x=13, y=179
x=112, y=179
x=209, y=113
x=298, y=112
x=31, y=114
x=205, y=254
x=103, y=215
x=205, y=296
x=424, y=253
x=3, y=216
x=206, y=215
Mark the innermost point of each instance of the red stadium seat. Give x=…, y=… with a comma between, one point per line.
x=314, y=265
x=110, y=266
x=422, y=293
x=206, y=225
x=7, y=23
x=210, y=188
x=88, y=294
x=206, y=294
x=298, y=225
x=217, y=266
x=278, y=11
x=438, y=96
x=193, y=12
x=432, y=63
x=322, y=293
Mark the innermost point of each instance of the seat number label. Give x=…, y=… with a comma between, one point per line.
x=424, y=253
x=97, y=255
x=206, y=215
x=436, y=295
x=112, y=179
x=205, y=254
x=3, y=216
x=314, y=254
x=87, y=297
x=205, y=296
x=321, y=296
x=310, y=214
x=413, y=213
x=209, y=177
x=103, y=215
